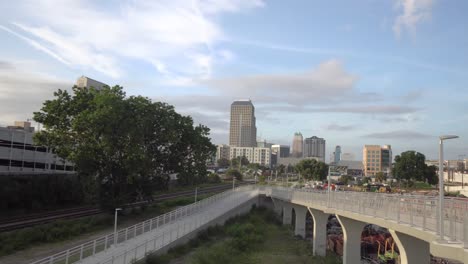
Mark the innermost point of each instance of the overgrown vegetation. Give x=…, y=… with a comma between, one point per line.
x=29, y=193
x=257, y=237
x=57, y=231
x=63, y=230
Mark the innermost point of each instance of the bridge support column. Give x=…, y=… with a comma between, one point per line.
x=412, y=249
x=287, y=213
x=299, y=229
x=278, y=206
x=319, y=239
x=352, y=231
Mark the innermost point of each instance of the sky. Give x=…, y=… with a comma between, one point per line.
x=353, y=72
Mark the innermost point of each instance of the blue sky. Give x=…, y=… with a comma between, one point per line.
x=354, y=72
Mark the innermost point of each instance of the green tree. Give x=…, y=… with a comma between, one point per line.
x=311, y=169
x=235, y=162
x=345, y=179
x=244, y=161
x=223, y=163
x=410, y=166
x=233, y=173
x=380, y=177
x=126, y=145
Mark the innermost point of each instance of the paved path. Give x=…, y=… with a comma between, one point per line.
x=137, y=247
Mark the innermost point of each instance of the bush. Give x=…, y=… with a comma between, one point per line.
x=52, y=232
x=213, y=178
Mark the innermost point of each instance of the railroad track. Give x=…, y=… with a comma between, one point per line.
x=29, y=220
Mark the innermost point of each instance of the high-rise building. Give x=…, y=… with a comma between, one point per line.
x=281, y=151
x=377, y=159
x=297, y=145
x=337, y=154
x=84, y=81
x=242, y=132
x=315, y=147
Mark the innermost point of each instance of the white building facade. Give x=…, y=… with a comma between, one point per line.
x=18, y=154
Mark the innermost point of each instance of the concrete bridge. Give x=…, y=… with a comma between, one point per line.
x=412, y=221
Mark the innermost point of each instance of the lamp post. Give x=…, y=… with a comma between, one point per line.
x=115, y=225
x=462, y=158
x=441, y=183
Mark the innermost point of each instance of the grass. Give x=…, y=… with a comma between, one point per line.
x=63, y=230
x=257, y=237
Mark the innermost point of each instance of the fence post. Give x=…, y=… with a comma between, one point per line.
x=134, y=231
x=81, y=252
x=398, y=210
x=66, y=256
x=424, y=215
x=52, y=258
x=151, y=224
x=126, y=234
x=465, y=229
x=451, y=223
x=105, y=243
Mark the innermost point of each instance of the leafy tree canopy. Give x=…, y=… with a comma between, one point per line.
x=410, y=166
x=127, y=145
x=311, y=169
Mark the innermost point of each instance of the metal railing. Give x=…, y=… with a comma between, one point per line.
x=418, y=211
x=103, y=243
x=415, y=210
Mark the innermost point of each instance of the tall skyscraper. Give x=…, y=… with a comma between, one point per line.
x=337, y=154
x=242, y=132
x=297, y=146
x=315, y=147
x=377, y=159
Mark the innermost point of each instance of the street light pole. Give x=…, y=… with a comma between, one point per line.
x=115, y=225
x=441, y=183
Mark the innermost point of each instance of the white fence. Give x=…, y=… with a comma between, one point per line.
x=153, y=234
x=101, y=244
x=415, y=210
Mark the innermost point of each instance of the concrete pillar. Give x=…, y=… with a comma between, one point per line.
x=319, y=239
x=352, y=231
x=299, y=229
x=287, y=214
x=412, y=249
x=278, y=206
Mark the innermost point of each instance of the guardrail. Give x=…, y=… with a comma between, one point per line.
x=93, y=247
x=415, y=210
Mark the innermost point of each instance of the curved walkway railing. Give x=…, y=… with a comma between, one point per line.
x=103, y=243
x=415, y=210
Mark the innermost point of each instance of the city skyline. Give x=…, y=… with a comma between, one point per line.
x=370, y=75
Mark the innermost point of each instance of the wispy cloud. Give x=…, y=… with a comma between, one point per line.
x=413, y=13
x=398, y=134
x=337, y=127
x=178, y=34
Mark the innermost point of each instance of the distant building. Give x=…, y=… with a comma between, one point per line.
x=348, y=156
x=293, y=160
x=264, y=144
x=337, y=154
x=297, y=145
x=282, y=151
x=19, y=155
x=242, y=131
x=22, y=125
x=377, y=159
x=222, y=152
x=261, y=156
x=314, y=147
x=84, y=81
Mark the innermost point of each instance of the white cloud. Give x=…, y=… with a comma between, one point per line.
x=413, y=13
x=177, y=33
x=327, y=81
x=23, y=89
